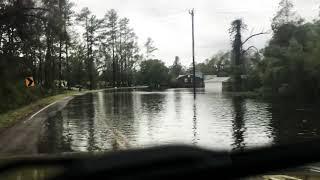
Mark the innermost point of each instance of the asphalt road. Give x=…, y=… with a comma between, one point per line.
x=23, y=138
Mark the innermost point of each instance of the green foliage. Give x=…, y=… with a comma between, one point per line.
x=37, y=39
x=153, y=73
x=118, y=50
x=288, y=60
x=92, y=26
x=176, y=69
x=219, y=64
x=16, y=95
x=253, y=65
x=291, y=62
x=285, y=15
x=78, y=69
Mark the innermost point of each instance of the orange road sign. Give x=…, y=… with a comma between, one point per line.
x=29, y=82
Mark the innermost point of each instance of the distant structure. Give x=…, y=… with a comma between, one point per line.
x=213, y=79
x=186, y=81
x=208, y=77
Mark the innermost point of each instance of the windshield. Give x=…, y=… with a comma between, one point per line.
x=102, y=76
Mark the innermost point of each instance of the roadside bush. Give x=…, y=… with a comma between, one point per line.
x=16, y=95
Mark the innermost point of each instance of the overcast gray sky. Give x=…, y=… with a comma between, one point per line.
x=168, y=23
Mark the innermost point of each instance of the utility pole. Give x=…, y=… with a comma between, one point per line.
x=191, y=12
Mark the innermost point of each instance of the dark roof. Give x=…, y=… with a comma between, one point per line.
x=183, y=76
x=218, y=79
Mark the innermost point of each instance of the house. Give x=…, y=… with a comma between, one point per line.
x=208, y=77
x=223, y=83
x=186, y=81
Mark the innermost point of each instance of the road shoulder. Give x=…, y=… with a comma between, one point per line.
x=22, y=138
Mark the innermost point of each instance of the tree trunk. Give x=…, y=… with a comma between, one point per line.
x=40, y=74
x=88, y=54
x=113, y=68
x=237, y=58
x=60, y=42
x=67, y=64
x=60, y=62
x=48, y=68
x=67, y=41
x=126, y=71
x=1, y=41
x=91, y=68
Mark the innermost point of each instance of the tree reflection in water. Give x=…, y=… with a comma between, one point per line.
x=93, y=122
x=238, y=124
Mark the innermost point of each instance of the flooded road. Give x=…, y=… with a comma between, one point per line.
x=108, y=120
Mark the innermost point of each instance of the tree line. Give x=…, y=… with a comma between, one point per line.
x=41, y=38
x=61, y=48
x=289, y=64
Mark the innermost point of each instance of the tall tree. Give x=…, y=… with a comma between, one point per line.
x=237, y=26
x=37, y=39
x=111, y=29
x=153, y=73
x=238, y=52
x=92, y=27
x=285, y=15
x=128, y=49
x=176, y=69
x=119, y=50
x=122, y=44
x=150, y=48
x=67, y=15
x=52, y=32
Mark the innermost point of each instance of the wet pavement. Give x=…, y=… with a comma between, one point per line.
x=23, y=137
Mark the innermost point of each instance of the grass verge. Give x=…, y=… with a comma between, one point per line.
x=9, y=118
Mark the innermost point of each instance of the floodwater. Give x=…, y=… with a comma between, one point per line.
x=109, y=120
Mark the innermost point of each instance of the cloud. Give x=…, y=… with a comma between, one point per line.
x=168, y=23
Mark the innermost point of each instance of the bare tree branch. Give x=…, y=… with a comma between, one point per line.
x=251, y=47
x=258, y=34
